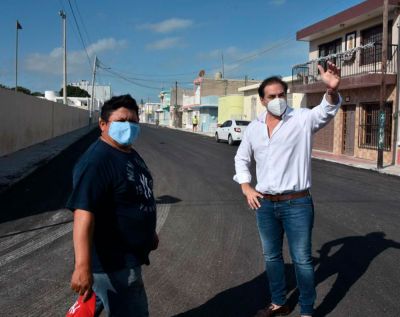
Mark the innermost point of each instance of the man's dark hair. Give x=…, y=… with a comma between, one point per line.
x=270, y=81
x=123, y=101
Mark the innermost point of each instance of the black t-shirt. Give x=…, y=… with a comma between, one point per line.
x=117, y=188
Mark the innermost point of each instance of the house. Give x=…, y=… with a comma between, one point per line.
x=352, y=39
x=101, y=92
x=163, y=114
x=205, y=98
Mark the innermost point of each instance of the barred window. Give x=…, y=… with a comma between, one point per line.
x=328, y=49
x=374, y=35
x=369, y=126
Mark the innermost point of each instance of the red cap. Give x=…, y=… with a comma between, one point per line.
x=83, y=309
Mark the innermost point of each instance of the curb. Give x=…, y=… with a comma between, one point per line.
x=41, y=153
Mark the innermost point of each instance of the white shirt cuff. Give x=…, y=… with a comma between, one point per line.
x=329, y=105
x=242, y=178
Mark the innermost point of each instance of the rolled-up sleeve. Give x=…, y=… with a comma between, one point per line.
x=243, y=159
x=320, y=115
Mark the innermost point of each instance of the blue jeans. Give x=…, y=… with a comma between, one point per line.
x=296, y=218
x=121, y=293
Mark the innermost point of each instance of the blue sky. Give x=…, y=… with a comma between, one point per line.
x=155, y=43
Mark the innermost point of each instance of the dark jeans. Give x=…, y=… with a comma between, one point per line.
x=121, y=293
x=296, y=218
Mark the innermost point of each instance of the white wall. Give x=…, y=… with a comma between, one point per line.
x=27, y=120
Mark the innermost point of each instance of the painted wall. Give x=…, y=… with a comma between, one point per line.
x=27, y=120
x=230, y=107
x=357, y=97
x=252, y=106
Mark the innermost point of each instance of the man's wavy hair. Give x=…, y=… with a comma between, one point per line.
x=270, y=81
x=123, y=101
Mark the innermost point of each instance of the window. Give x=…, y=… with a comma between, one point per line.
x=374, y=35
x=228, y=123
x=369, y=126
x=242, y=122
x=330, y=48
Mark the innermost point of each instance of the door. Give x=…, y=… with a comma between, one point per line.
x=227, y=128
x=349, y=115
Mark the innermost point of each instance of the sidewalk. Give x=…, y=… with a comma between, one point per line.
x=17, y=165
x=326, y=156
x=210, y=134
x=355, y=162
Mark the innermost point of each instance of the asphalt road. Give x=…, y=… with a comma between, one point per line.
x=209, y=262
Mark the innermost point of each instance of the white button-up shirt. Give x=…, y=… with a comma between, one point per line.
x=283, y=160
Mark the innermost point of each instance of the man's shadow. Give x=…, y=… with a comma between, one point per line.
x=240, y=301
x=350, y=262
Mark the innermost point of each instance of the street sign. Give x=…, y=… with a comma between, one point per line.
x=381, y=131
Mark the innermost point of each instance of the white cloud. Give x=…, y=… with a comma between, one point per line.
x=164, y=44
x=77, y=62
x=277, y=2
x=167, y=26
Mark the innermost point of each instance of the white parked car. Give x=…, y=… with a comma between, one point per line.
x=231, y=131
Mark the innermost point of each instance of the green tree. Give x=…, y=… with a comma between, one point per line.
x=23, y=90
x=73, y=91
x=37, y=93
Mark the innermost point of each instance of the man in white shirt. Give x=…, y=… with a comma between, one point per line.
x=281, y=142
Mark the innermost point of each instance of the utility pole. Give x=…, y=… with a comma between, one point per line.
x=19, y=27
x=91, y=108
x=381, y=131
x=176, y=106
x=64, y=18
x=223, y=66
x=396, y=136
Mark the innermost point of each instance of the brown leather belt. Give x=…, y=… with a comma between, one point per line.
x=281, y=197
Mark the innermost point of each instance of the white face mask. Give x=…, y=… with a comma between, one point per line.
x=277, y=106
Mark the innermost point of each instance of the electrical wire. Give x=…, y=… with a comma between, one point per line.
x=79, y=32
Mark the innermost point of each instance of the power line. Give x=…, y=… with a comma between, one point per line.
x=82, y=22
x=128, y=80
x=254, y=56
x=151, y=75
x=79, y=32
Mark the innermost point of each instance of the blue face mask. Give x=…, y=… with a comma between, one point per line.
x=124, y=133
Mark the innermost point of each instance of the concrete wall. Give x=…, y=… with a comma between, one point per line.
x=230, y=107
x=27, y=120
x=223, y=87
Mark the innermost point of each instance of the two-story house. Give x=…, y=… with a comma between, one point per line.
x=352, y=39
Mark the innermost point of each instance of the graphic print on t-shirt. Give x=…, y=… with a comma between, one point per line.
x=147, y=190
x=137, y=173
x=130, y=171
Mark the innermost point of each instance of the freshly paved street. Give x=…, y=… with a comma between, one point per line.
x=209, y=262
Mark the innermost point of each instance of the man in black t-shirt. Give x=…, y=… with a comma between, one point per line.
x=114, y=215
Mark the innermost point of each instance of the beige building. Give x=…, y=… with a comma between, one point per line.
x=352, y=39
x=203, y=100
x=252, y=106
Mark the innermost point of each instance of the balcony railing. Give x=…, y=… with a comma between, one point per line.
x=365, y=59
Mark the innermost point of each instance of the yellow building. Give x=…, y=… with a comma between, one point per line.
x=230, y=107
x=252, y=106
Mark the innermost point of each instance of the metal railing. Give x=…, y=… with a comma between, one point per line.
x=365, y=59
